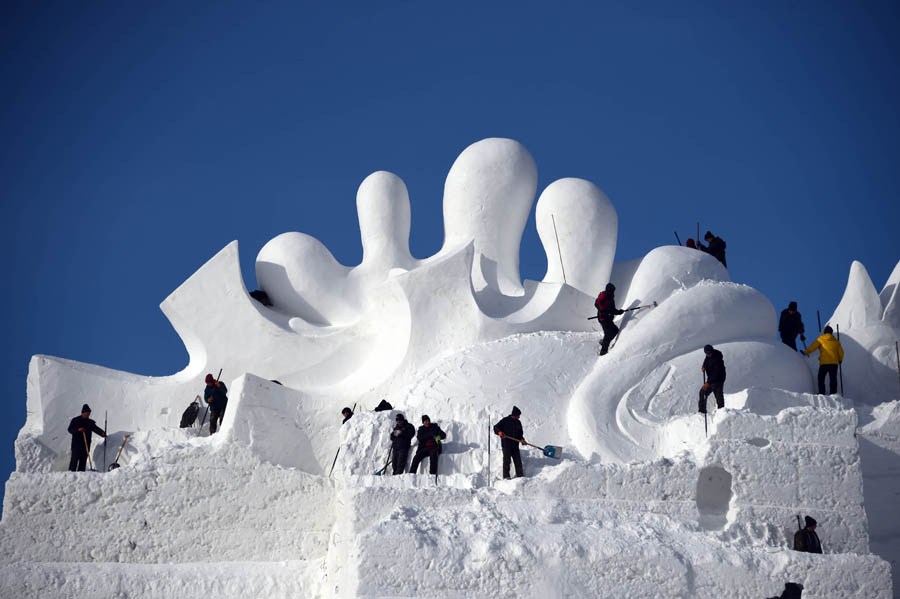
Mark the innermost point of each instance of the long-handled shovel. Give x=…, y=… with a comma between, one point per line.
x=551, y=451
x=115, y=464
x=87, y=448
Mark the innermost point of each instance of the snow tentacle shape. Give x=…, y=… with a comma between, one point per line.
x=611, y=413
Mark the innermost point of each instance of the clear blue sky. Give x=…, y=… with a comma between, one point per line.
x=137, y=139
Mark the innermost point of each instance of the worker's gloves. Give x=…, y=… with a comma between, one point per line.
x=522, y=441
x=706, y=385
x=500, y=434
x=396, y=433
x=437, y=438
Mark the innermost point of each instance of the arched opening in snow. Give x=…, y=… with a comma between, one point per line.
x=713, y=497
x=759, y=442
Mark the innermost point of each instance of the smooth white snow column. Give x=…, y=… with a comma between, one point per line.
x=303, y=278
x=860, y=305
x=487, y=197
x=587, y=228
x=382, y=204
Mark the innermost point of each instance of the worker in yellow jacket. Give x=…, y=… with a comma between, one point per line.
x=830, y=355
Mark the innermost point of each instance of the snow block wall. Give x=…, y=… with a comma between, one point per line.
x=284, y=500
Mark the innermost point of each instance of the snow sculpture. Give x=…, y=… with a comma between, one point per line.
x=890, y=299
x=860, y=305
x=578, y=226
x=487, y=197
x=869, y=328
x=459, y=336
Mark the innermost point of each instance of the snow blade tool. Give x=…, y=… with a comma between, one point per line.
x=115, y=464
x=551, y=451
x=383, y=470
x=387, y=463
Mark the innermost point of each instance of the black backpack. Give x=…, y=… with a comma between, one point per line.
x=190, y=415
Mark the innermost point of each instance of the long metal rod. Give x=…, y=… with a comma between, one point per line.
x=558, y=250
x=819, y=318
x=489, y=447
x=105, y=424
x=840, y=366
x=897, y=347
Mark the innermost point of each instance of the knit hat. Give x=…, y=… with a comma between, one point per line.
x=516, y=411
x=610, y=287
x=209, y=379
x=346, y=410
x=708, y=235
x=810, y=521
x=85, y=408
x=425, y=417
x=400, y=418
x=827, y=330
x=707, y=348
x=792, y=306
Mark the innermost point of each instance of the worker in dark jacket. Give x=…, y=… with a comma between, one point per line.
x=216, y=396
x=715, y=247
x=790, y=325
x=401, y=437
x=81, y=429
x=806, y=539
x=429, y=436
x=347, y=413
x=509, y=429
x=714, y=367
x=606, y=312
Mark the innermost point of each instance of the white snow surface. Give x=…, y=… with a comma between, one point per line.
x=650, y=499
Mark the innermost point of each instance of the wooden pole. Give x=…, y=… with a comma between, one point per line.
x=819, y=319
x=87, y=448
